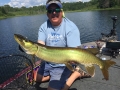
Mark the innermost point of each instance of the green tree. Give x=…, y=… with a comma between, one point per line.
x=93, y=2
x=3, y=10
x=112, y=3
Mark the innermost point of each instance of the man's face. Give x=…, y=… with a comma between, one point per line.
x=54, y=14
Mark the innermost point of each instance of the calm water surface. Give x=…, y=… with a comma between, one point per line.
x=90, y=24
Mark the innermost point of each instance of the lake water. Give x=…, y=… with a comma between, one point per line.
x=90, y=24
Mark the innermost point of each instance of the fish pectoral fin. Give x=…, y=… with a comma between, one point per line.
x=94, y=51
x=90, y=69
x=69, y=66
x=24, y=50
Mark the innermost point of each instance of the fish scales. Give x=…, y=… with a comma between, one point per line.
x=62, y=55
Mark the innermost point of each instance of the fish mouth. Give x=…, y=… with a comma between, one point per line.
x=20, y=39
x=23, y=41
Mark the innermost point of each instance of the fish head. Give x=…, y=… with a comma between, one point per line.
x=28, y=46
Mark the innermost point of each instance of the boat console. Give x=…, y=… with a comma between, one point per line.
x=114, y=48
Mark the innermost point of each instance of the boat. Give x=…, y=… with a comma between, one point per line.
x=109, y=50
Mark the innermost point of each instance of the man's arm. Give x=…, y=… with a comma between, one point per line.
x=41, y=42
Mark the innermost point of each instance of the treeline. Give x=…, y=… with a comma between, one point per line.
x=107, y=3
x=6, y=10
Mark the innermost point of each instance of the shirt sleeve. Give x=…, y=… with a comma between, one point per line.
x=41, y=34
x=73, y=37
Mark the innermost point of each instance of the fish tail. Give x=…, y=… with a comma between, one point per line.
x=107, y=64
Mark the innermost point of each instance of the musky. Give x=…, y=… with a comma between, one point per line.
x=30, y=3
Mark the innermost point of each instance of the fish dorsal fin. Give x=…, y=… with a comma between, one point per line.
x=90, y=69
x=93, y=50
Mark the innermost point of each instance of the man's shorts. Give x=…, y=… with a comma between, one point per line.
x=58, y=75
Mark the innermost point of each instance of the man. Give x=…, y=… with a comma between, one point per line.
x=57, y=31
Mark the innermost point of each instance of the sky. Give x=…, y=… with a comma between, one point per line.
x=30, y=3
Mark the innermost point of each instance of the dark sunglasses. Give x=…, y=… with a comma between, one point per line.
x=57, y=10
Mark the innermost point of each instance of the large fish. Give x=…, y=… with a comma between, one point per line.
x=65, y=55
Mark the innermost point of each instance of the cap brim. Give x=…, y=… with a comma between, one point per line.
x=55, y=2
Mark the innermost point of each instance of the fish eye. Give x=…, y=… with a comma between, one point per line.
x=26, y=40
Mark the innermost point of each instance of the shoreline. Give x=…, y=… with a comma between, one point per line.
x=82, y=10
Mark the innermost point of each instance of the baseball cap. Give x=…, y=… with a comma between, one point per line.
x=49, y=2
